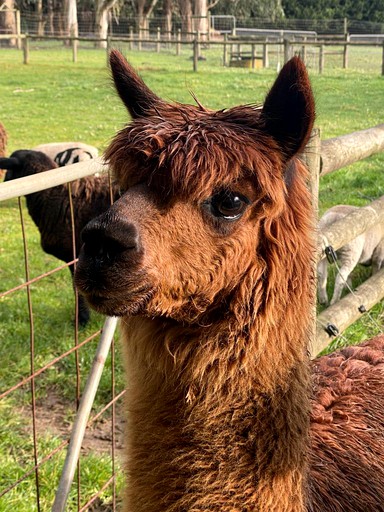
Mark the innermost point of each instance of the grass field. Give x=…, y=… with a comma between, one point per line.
x=52, y=99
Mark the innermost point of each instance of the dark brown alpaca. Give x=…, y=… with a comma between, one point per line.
x=207, y=257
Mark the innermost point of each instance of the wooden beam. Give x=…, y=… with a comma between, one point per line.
x=349, y=227
x=347, y=149
x=349, y=309
x=52, y=178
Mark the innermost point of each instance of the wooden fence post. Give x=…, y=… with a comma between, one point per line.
x=178, y=43
x=195, y=54
x=345, y=52
x=26, y=49
x=225, y=50
x=140, y=38
x=108, y=48
x=158, y=40
x=311, y=157
x=304, y=53
x=304, y=50
x=253, y=56
x=130, y=44
x=75, y=44
x=321, y=59
x=382, y=61
x=198, y=43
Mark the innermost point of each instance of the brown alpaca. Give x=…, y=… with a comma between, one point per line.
x=207, y=257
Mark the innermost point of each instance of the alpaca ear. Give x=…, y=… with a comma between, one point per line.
x=10, y=165
x=289, y=109
x=136, y=96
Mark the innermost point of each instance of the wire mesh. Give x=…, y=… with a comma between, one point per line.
x=46, y=358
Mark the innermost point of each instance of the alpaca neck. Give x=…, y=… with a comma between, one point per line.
x=211, y=426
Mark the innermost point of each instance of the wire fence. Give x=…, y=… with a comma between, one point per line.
x=48, y=359
x=53, y=23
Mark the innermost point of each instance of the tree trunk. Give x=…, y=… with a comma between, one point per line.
x=41, y=22
x=72, y=28
x=186, y=17
x=167, y=13
x=103, y=9
x=72, y=19
x=50, y=18
x=200, y=10
x=144, y=12
x=8, y=20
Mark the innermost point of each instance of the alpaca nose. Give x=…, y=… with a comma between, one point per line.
x=108, y=236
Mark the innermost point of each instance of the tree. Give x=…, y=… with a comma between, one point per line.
x=70, y=10
x=200, y=10
x=185, y=8
x=8, y=19
x=103, y=8
x=167, y=16
x=144, y=9
x=269, y=9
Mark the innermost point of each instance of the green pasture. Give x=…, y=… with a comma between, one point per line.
x=53, y=99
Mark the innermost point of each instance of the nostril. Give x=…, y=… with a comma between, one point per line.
x=105, y=240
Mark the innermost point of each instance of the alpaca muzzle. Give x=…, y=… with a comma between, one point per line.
x=111, y=244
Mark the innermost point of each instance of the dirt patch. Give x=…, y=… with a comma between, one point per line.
x=55, y=415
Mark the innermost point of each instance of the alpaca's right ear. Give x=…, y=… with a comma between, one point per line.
x=136, y=96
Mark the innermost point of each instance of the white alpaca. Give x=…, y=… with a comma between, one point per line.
x=367, y=249
x=66, y=153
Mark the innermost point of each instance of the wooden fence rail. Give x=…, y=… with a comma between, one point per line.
x=194, y=41
x=334, y=154
x=347, y=149
x=346, y=311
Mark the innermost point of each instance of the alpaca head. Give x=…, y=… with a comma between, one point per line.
x=25, y=162
x=203, y=195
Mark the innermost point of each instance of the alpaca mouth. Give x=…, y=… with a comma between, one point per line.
x=123, y=302
x=108, y=293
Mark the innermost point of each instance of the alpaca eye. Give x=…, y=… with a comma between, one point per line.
x=228, y=205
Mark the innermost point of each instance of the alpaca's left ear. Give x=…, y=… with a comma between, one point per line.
x=289, y=109
x=136, y=96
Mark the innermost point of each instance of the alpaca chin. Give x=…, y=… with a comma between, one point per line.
x=131, y=305
x=106, y=296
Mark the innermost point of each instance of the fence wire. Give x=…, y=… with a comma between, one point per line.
x=41, y=397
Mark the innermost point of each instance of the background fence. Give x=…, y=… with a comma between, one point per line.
x=54, y=24
x=234, y=50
